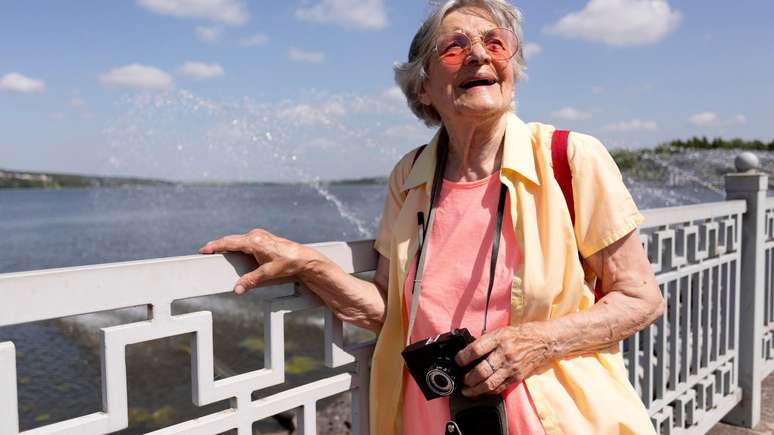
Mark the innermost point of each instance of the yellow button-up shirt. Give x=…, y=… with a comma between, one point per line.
x=587, y=394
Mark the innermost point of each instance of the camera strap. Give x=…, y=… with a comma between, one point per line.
x=424, y=230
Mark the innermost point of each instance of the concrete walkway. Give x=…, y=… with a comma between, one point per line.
x=766, y=426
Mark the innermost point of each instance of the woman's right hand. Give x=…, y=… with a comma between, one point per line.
x=277, y=257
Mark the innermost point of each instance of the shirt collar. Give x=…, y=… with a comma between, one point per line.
x=518, y=156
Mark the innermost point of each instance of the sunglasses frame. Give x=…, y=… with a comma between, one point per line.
x=473, y=41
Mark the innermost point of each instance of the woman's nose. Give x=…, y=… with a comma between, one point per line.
x=478, y=53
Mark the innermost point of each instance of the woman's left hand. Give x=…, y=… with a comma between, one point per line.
x=512, y=354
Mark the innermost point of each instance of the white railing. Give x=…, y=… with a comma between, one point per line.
x=685, y=365
x=40, y=295
x=701, y=363
x=768, y=307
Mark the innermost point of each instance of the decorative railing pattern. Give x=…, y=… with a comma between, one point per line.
x=156, y=284
x=701, y=362
x=685, y=365
x=768, y=311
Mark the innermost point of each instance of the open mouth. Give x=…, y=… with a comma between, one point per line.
x=478, y=82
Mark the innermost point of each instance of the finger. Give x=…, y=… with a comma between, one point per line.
x=505, y=385
x=497, y=390
x=490, y=364
x=232, y=243
x=264, y=272
x=482, y=346
x=206, y=248
x=489, y=386
x=501, y=388
x=213, y=246
x=479, y=373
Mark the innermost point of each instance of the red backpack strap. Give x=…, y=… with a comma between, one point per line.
x=564, y=178
x=562, y=168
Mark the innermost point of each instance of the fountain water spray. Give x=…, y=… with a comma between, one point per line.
x=184, y=136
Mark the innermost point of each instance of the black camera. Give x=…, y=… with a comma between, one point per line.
x=432, y=365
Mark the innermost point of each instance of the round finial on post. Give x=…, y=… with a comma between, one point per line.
x=747, y=162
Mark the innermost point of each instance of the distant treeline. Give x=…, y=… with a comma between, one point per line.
x=717, y=143
x=24, y=179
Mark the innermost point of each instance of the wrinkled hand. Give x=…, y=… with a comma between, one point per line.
x=276, y=257
x=512, y=354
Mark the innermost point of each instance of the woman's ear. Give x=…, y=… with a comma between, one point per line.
x=423, y=95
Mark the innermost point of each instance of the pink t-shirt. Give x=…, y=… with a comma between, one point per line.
x=454, y=286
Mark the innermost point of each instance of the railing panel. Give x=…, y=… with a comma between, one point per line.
x=683, y=365
x=10, y=421
x=768, y=314
x=157, y=283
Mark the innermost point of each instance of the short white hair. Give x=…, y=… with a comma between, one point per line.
x=412, y=74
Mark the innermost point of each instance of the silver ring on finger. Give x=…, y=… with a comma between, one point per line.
x=491, y=367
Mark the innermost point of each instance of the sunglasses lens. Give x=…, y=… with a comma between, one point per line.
x=501, y=43
x=452, y=47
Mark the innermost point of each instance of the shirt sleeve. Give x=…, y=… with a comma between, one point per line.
x=392, y=204
x=604, y=208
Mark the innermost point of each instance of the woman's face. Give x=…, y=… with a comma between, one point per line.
x=447, y=87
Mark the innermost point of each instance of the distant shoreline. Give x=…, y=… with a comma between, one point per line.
x=15, y=179
x=46, y=180
x=629, y=162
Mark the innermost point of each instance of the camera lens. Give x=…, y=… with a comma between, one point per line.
x=440, y=382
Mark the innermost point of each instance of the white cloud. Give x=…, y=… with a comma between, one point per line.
x=712, y=119
x=633, y=125
x=411, y=133
x=532, y=49
x=596, y=90
x=209, y=34
x=358, y=14
x=334, y=108
x=704, y=119
x=16, y=82
x=255, y=40
x=394, y=94
x=619, y=22
x=390, y=100
x=308, y=114
x=201, y=70
x=138, y=76
x=231, y=12
x=570, y=114
x=299, y=55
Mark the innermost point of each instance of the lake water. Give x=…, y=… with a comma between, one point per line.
x=56, y=228
x=58, y=361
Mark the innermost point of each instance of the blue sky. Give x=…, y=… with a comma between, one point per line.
x=303, y=89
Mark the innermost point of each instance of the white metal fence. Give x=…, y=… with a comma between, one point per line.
x=701, y=363
x=33, y=296
x=768, y=312
x=685, y=365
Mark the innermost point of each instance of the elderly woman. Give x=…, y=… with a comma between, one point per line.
x=550, y=350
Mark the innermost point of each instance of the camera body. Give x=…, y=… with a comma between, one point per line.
x=432, y=365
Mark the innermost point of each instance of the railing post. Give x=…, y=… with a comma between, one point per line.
x=751, y=185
